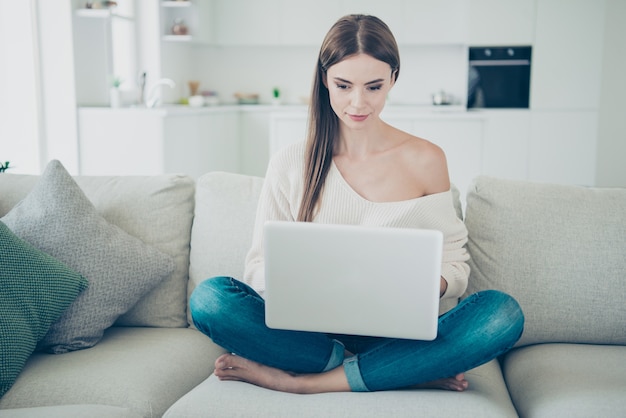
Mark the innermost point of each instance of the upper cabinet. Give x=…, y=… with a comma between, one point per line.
x=306, y=23
x=273, y=22
x=187, y=21
x=285, y=22
x=434, y=22
x=417, y=22
x=501, y=22
x=567, y=55
x=245, y=22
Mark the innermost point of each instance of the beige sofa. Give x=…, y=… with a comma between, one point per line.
x=559, y=250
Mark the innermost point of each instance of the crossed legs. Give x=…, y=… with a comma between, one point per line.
x=482, y=327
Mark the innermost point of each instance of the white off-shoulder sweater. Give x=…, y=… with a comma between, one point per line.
x=340, y=204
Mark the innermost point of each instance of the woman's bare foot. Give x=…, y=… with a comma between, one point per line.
x=456, y=383
x=232, y=367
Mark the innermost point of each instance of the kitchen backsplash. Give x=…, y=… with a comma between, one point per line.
x=245, y=69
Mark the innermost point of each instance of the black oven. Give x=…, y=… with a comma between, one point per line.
x=499, y=77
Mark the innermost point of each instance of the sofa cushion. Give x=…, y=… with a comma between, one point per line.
x=57, y=218
x=558, y=250
x=159, y=211
x=144, y=370
x=223, y=224
x=35, y=289
x=156, y=209
x=567, y=380
x=70, y=411
x=486, y=397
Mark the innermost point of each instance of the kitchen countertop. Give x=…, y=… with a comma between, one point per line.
x=399, y=110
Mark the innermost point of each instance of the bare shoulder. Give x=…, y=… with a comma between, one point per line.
x=427, y=162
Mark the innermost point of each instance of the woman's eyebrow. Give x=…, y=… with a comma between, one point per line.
x=378, y=80
x=342, y=80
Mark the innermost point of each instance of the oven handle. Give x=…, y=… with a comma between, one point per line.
x=498, y=63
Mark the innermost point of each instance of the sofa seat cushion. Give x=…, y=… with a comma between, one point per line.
x=567, y=380
x=156, y=209
x=558, y=250
x=142, y=369
x=70, y=411
x=487, y=397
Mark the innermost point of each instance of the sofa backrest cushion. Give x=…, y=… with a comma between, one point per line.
x=559, y=250
x=156, y=209
x=222, y=227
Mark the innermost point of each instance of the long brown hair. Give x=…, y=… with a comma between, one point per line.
x=350, y=35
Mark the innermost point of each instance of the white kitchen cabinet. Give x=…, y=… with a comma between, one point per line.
x=506, y=136
x=306, y=23
x=285, y=22
x=254, y=137
x=435, y=22
x=198, y=143
x=157, y=141
x=567, y=55
x=418, y=22
x=501, y=22
x=248, y=22
x=286, y=128
x=563, y=147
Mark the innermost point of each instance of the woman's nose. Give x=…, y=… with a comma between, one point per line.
x=357, y=98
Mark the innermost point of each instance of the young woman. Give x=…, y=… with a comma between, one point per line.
x=356, y=169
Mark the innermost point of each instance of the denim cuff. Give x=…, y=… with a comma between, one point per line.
x=353, y=374
x=336, y=357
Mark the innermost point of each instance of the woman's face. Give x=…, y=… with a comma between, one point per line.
x=358, y=88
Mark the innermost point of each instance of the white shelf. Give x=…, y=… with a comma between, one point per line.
x=99, y=14
x=177, y=38
x=95, y=13
x=185, y=3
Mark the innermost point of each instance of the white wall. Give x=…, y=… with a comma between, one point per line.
x=611, y=153
x=19, y=136
x=58, y=94
x=37, y=96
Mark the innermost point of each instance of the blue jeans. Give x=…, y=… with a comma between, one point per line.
x=482, y=327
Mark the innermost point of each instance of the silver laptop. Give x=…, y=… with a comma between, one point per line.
x=352, y=279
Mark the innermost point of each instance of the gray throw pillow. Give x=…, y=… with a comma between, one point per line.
x=56, y=217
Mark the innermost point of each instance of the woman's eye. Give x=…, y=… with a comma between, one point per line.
x=376, y=87
x=342, y=86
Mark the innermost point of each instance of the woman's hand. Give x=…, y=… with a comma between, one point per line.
x=443, y=286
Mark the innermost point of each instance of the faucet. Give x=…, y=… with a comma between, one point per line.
x=152, y=99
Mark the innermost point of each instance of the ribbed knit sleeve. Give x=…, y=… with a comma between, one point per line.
x=279, y=200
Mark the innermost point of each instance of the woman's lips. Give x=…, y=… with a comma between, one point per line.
x=358, y=118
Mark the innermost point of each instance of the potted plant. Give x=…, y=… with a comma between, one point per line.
x=4, y=167
x=114, y=92
x=276, y=96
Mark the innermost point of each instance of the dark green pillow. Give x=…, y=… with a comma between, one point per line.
x=35, y=289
